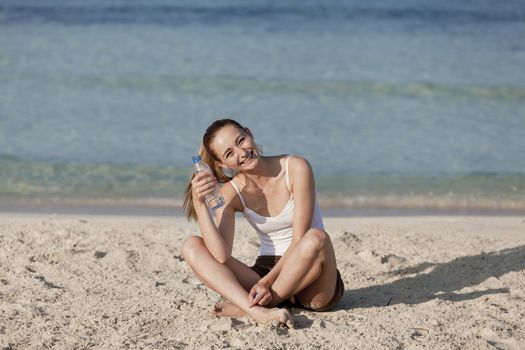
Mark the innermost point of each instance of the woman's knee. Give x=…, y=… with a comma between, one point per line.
x=190, y=248
x=313, y=242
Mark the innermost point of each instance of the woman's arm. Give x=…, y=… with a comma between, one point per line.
x=217, y=237
x=302, y=186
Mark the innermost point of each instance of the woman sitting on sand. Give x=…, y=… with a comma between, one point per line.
x=296, y=265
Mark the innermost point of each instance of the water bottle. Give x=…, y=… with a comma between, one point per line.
x=213, y=200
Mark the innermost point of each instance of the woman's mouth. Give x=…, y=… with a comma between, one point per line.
x=248, y=159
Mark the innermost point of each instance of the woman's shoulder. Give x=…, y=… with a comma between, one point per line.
x=230, y=195
x=298, y=163
x=299, y=172
x=291, y=159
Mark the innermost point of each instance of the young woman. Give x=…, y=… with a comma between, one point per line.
x=296, y=264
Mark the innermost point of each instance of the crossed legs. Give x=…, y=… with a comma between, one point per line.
x=309, y=273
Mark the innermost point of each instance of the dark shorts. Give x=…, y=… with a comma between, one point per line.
x=265, y=263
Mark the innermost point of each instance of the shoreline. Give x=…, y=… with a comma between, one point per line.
x=358, y=206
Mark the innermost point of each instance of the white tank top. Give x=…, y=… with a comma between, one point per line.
x=275, y=232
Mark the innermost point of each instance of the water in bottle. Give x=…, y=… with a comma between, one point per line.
x=213, y=200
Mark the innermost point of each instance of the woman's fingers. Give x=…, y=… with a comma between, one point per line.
x=254, y=296
x=265, y=300
x=202, y=175
x=256, y=299
x=202, y=179
x=251, y=295
x=203, y=184
x=259, y=295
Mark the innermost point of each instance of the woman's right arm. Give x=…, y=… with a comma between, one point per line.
x=217, y=237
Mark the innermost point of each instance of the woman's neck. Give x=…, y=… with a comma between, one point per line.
x=267, y=168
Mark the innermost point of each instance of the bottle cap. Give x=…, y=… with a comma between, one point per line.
x=196, y=159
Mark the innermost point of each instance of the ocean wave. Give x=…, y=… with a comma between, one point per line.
x=21, y=177
x=197, y=85
x=29, y=178
x=163, y=13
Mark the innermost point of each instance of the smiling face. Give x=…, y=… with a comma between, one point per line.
x=234, y=148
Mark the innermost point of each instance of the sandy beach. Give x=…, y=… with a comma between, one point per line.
x=119, y=282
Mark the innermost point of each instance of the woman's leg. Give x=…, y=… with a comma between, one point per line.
x=222, y=279
x=247, y=278
x=309, y=272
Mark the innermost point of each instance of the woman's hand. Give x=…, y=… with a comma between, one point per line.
x=203, y=183
x=260, y=294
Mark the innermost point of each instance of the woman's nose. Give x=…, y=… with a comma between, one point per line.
x=241, y=151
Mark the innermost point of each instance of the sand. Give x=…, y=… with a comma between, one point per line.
x=77, y=282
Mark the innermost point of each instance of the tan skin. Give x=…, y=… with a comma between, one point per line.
x=307, y=270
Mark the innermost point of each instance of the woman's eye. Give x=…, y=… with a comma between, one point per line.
x=228, y=154
x=241, y=140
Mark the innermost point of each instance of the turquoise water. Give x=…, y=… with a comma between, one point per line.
x=110, y=98
x=21, y=179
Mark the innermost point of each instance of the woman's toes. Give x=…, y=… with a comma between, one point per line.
x=287, y=319
x=216, y=309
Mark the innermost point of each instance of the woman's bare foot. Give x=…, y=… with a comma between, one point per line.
x=282, y=316
x=226, y=309
x=261, y=314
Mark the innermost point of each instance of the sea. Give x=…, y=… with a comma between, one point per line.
x=396, y=104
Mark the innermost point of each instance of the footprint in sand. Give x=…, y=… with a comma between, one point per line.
x=496, y=342
x=132, y=258
x=323, y=324
x=350, y=239
x=392, y=261
x=419, y=334
x=100, y=254
x=369, y=256
x=218, y=325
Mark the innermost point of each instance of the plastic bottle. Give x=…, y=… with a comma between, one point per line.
x=213, y=200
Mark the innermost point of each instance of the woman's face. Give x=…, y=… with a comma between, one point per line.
x=234, y=148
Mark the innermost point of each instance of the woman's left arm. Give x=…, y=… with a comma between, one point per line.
x=302, y=185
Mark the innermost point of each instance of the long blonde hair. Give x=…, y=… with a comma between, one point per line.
x=209, y=158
